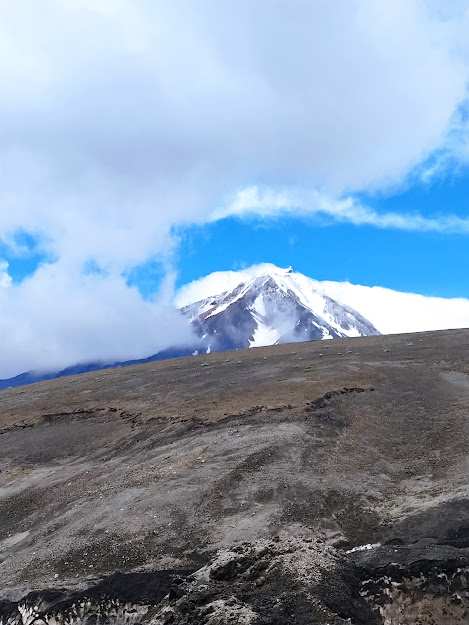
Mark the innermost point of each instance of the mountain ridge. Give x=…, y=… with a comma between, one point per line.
x=278, y=306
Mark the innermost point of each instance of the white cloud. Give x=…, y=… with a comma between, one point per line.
x=170, y=107
x=395, y=312
x=390, y=311
x=268, y=202
x=5, y=278
x=122, y=120
x=97, y=318
x=217, y=282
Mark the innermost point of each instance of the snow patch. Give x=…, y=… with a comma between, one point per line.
x=364, y=547
x=264, y=335
x=229, y=301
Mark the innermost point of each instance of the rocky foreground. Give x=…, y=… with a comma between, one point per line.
x=315, y=483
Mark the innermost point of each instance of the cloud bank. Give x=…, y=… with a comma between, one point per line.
x=99, y=319
x=124, y=121
x=267, y=202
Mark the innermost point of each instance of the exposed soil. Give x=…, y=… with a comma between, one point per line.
x=164, y=469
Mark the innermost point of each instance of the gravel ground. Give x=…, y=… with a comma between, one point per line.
x=158, y=466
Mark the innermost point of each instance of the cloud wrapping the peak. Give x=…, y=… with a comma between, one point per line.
x=388, y=310
x=393, y=312
x=218, y=282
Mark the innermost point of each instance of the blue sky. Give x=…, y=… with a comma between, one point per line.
x=146, y=145
x=430, y=263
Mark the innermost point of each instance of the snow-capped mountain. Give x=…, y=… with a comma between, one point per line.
x=279, y=306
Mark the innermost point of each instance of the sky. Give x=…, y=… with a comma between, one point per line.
x=145, y=145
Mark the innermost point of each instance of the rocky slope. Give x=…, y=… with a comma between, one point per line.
x=314, y=483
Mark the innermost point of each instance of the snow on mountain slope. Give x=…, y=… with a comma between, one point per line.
x=277, y=306
x=391, y=312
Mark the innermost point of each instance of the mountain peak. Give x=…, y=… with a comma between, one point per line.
x=278, y=272
x=274, y=270
x=276, y=306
